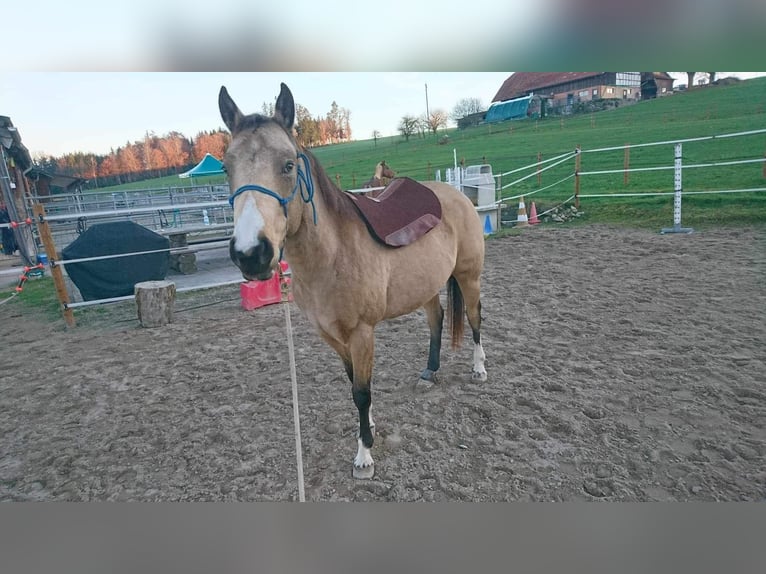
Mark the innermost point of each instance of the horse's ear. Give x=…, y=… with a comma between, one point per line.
x=284, y=111
x=229, y=110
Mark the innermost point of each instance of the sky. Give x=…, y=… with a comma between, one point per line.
x=63, y=112
x=58, y=113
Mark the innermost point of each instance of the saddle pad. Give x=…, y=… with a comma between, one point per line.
x=404, y=211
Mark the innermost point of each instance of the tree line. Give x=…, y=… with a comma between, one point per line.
x=173, y=153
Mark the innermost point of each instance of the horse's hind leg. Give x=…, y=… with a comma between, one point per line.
x=435, y=314
x=479, y=372
x=361, y=345
x=471, y=295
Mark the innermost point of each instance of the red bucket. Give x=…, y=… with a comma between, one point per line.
x=257, y=294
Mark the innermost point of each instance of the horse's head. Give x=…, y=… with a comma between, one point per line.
x=262, y=164
x=386, y=171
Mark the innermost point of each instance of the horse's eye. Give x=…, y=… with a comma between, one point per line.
x=289, y=167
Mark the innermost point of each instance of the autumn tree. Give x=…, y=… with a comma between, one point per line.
x=306, y=127
x=109, y=170
x=146, y=155
x=129, y=161
x=214, y=143
x=176, y=149
x=436, y=119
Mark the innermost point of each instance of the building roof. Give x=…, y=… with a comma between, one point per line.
x=522, y=83
x=11, y=141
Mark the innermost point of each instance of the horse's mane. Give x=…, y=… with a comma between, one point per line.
x=252, y=122
x=333, y=197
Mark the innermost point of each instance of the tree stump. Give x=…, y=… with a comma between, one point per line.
x=155, y=301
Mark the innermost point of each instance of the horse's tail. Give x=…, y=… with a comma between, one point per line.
x=455, y=311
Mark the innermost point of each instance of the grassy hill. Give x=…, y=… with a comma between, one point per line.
x=699, y=112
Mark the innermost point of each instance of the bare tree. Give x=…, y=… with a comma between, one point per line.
x=375, y=136
x=437, y=119
x=690, y=80
x=408, y=126
x=466, y=107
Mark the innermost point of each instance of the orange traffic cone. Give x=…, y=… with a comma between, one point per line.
x=533, y=220
x=521, y=216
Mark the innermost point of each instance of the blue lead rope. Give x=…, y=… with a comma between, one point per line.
x=303, y=182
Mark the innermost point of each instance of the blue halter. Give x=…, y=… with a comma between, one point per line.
x=304, y=182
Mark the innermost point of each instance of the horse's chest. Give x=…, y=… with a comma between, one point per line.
x=332, y=305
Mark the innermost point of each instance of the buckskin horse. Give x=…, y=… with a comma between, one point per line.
x=343, y=279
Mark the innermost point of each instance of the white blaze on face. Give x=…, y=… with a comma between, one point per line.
x=249, y=225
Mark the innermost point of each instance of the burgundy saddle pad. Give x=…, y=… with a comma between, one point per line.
x=404, y=211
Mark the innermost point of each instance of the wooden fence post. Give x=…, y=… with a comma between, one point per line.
x=626, y=165
x=50, y=250
x=539, y=165
x=577, y=177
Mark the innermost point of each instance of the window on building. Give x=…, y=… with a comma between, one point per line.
x=610, y=90
x=632, y=79
x=595, y=92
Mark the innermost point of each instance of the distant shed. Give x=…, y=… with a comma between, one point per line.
x=531, y=106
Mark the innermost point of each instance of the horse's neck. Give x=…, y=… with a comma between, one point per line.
x=378, y=172
x=314, y=245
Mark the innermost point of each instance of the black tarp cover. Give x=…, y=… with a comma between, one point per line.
x=115, y=277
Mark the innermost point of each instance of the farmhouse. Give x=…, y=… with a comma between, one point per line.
x=566, y=92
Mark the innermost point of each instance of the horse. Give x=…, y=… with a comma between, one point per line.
x=382, y=176
x=343, y=280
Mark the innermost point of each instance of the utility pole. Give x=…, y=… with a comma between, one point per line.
x=427, y=114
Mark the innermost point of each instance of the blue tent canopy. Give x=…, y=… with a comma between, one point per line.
x=508, y=110
x=208, y=166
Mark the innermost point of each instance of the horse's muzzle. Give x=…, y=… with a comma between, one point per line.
x=256, y=262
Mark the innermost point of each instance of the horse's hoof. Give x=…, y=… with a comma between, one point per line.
x=429, y=375
x=479, y=377
x=363, y=472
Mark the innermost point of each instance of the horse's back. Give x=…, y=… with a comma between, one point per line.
x=459, y=214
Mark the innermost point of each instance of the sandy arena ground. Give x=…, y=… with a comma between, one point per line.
x=623, y=365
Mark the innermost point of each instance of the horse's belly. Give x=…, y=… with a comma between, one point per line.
x=419, y=276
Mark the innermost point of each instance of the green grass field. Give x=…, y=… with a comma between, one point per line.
x=699, y=112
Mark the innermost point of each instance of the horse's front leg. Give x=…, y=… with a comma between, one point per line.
x=361, y=345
